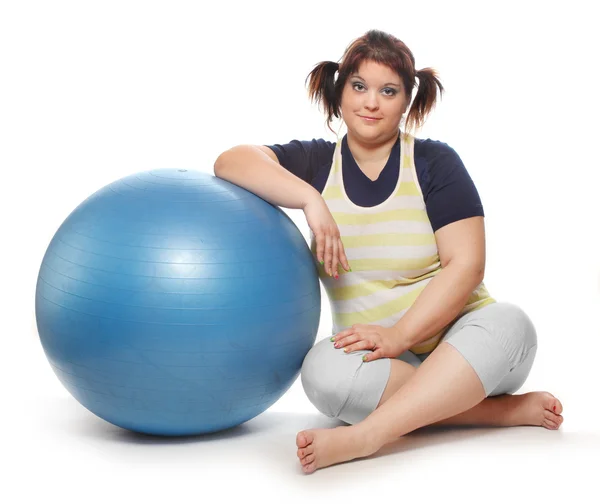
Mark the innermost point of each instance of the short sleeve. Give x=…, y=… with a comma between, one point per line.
x=304, y=157
x=452, y=194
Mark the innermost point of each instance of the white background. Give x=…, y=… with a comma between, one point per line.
x=93, y=91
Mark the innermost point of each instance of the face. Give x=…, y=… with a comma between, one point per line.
x=374, y=91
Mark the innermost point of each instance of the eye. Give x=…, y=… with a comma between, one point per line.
x=392, y=92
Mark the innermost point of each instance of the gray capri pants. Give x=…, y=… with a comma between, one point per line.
x=498, y=340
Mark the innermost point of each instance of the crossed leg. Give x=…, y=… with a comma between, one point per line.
x=505, y=410
x=444, y=389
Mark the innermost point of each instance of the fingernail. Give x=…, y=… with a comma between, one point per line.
x=336, y=276
x=332, y=338
x=321, y=262
x=364, y=358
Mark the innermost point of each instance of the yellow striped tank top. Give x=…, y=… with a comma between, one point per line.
x=391, y=249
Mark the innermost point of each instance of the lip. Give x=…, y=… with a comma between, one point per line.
x=370, y=118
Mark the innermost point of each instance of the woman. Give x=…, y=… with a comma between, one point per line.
x=397, y=226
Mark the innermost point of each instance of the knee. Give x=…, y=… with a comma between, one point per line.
x=326, y=376
x=524, y=328
x=519, y=336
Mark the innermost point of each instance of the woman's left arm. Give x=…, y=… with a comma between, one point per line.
x=461, y=247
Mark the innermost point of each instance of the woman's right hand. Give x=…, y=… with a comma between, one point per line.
x=330, y=249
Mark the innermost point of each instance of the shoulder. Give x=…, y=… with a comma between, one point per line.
x=440, y=162
x=435, y=152
x=306, y=148
x=304, y=158
x=450, y=193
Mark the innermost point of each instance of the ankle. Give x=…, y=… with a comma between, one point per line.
x=511, y=407
x=370, y=437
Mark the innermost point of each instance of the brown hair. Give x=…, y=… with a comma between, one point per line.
x=383, y=48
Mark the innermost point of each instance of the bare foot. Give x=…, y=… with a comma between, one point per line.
x=319, y=448
x=537, y=408
x=324, y=447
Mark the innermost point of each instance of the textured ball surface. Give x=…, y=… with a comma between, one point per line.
x=172, y=302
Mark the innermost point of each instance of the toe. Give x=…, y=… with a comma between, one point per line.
x=303, y=452
x=310, y=468
x=553, y=404
x=559, y=407
x=552, y=419
x=303, y=439
x=549, y=424
x=308, y=459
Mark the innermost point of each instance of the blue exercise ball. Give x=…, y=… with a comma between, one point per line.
x=172, y=302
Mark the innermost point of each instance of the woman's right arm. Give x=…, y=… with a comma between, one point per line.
x=257, y=169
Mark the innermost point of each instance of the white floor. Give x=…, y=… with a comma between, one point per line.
x=55, y=450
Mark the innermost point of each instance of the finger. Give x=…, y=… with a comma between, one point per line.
x=334, y=259
x=359, y=345
x=341, y=334
x=355, y=331
x=346, y=340
x=342, y=255
x=349, y=336
x=320, y=239
x=327, y=254
x=374, y=355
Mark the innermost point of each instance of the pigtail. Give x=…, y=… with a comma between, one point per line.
x=322, y=88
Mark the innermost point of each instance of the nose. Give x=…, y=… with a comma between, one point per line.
x=371, y=100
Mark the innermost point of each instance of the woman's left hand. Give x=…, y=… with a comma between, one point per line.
x=383, y=341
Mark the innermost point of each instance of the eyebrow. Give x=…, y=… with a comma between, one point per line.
x=386, y=84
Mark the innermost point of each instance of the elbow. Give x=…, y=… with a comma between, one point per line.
x=479, y=273
x=479, y=277
x=227, y=158
x=478, y=269
x=219, y=164
x=473, y=270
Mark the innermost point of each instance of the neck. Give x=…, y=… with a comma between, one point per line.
x=365, y=153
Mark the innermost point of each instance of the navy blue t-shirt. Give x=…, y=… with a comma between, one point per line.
x=448, y=190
